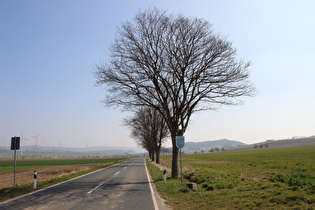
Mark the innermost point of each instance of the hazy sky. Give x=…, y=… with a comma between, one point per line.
x=48, y=50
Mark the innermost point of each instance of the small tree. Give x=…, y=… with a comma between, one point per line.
x=165, y=151
x=149, y=130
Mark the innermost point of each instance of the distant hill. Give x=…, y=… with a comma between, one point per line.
x=294, y=142
x=73, y=149
x=191, y=147
x=68, y=152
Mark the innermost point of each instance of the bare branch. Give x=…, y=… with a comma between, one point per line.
x=175, y=65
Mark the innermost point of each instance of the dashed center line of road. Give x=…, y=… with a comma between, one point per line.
x=125, y=167
x=95, y=188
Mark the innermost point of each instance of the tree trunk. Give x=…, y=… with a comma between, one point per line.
x=157, y=155
x=158, y=150
x=152, y=155
x=175, y=172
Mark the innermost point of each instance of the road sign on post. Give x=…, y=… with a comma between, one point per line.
x=180, y=141
x=15, y=145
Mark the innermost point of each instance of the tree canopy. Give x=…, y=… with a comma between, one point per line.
x=174, y=64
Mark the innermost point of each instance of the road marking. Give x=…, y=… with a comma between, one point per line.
x=95, y=188
x=117, y=173
x=125, y=167
x=156, y=207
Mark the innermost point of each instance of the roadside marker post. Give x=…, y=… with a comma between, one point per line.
x=164, y=178
x=35, y=179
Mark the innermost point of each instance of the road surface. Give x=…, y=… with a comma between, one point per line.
x=122, y=186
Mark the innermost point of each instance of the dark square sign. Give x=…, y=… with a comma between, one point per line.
x=15, y=143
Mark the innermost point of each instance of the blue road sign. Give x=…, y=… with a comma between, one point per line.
x=180, y=141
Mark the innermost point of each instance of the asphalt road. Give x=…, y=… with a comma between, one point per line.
x=122, y=186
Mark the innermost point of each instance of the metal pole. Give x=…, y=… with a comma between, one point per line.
x=14, y=166
x=181, y=167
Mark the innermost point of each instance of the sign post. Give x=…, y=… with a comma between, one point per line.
x=180, y=143
x=15, y=145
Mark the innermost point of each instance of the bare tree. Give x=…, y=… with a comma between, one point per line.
x=165, y=150
x=149, y=129
x=174, y=64
x=142, y=137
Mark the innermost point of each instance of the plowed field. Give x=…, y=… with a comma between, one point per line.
x=27, y=176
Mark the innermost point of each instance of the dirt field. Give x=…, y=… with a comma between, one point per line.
x=43, y=174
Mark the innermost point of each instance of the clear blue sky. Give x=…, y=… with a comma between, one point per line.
x=48, y=50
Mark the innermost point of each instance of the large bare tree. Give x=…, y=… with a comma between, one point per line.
x=149, y=130
x=175, y=64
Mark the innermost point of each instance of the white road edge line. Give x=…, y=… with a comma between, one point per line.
x=95, y=188
x=156, y=207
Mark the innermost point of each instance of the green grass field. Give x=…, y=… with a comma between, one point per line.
x=257, y=179
x=8, y=165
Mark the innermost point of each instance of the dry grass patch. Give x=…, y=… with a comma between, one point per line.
x=26, y=176
x=161, y=166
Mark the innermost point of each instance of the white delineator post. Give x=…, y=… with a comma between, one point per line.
x=164, y=178
x=35, y=179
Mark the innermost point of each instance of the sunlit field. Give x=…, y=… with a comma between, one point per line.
x=267, y=178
